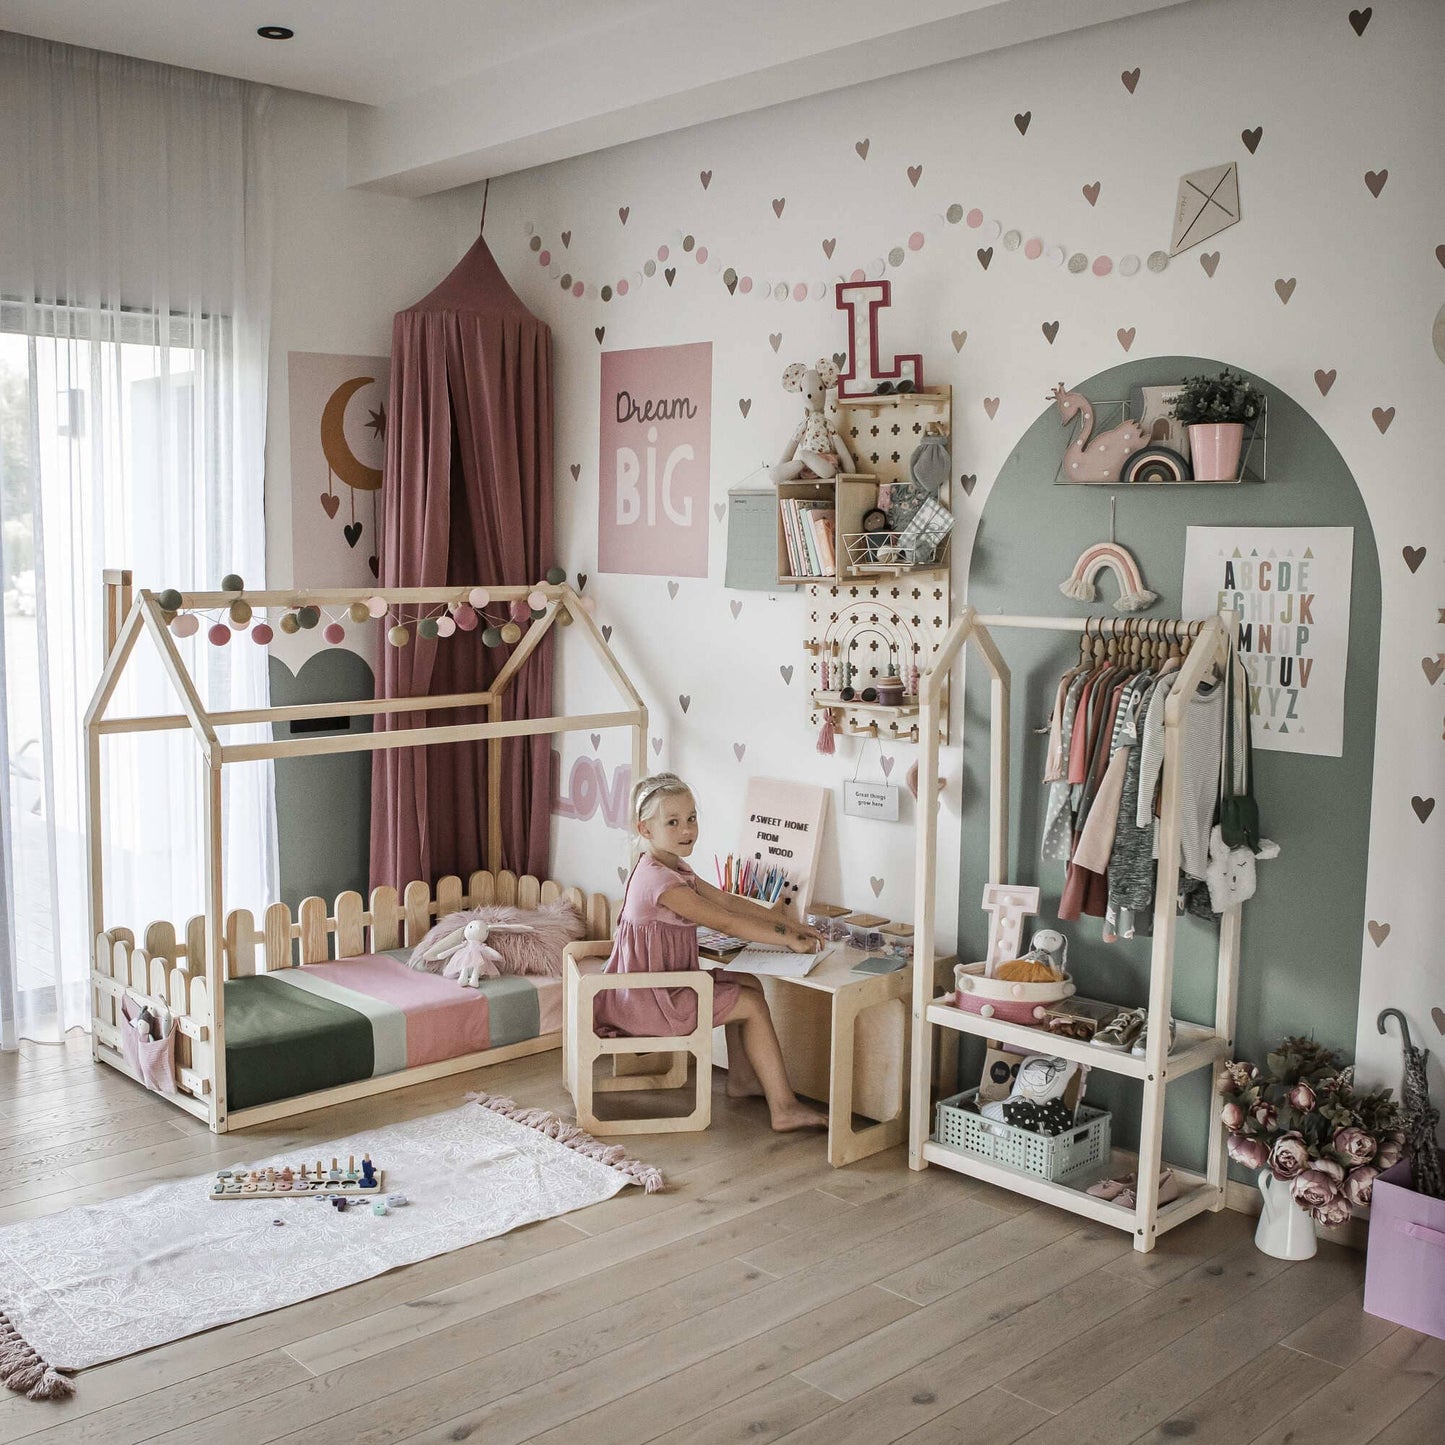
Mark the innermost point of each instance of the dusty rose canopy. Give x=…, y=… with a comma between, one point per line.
x=467, y=498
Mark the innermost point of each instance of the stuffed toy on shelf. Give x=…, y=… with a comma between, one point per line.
x=815, y=448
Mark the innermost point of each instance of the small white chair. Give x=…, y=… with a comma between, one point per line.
x=582, y=981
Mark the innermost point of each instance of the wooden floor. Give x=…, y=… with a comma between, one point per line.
x=763, y=1297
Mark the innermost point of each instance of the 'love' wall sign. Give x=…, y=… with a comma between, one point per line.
x=655, y=448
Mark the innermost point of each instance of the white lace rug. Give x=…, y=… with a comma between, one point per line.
x=101, y=1281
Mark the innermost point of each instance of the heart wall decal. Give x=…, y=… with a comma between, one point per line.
x=958, y=338
x=599, y=332
x=1375, y=181
x=1325, y=380
x=607, y=632
x=861, y=147
x=623, y=212
x=735, y=607
x=1126, y=336
x=1413, y=556
x=672, y=589
x=775, y=339
x=719, y=510
x=567, y=238
x=915, y=174
x=1383, y=416
x=596, y=740
x=990, y=405
x=1210, y=261
x=1284, y=290
x=1379, y=932
x=876, y=884
x=657, y=745
x=778, y=205
x=745, y=405
x=1423, y=807
x=1022, y=119
x=985, y=255
x=1130, y=79
x=706, y=178
x=968, y=482
x=1360, y=18
x=581, y=581
x=1091, y=193
x=1433, y=667
x=828, y=246
x=786, y=669
x=738, y=750
x=684, y=701
x=1050, y=330
x=1252, y=138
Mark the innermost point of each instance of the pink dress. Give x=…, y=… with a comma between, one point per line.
x=652, y=938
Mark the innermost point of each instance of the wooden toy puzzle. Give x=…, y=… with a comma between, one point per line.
x=312, y=1177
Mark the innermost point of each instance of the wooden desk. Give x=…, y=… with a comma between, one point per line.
x=845, y=1037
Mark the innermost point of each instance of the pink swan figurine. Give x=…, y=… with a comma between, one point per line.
x=1103, y=458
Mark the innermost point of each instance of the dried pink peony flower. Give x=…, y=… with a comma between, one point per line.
x=1360, y=1184
x=1354, y=1145
x=1334, y=1213
x=1389, y=1153
x=1232, y=1116
x=1314, y=1189
x=1289, y=1157
x=1235, y=1077
x=1332, y=1167
x=1265, y=1114
x=1252, y=1153
x=1302, y=1097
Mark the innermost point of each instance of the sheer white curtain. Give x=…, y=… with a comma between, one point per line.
x=134, y=325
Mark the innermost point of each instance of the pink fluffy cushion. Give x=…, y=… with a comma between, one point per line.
x=538, y=952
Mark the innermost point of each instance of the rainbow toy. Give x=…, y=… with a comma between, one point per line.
x=1114, y=557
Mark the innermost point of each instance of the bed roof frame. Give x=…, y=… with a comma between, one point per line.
x=131, y=614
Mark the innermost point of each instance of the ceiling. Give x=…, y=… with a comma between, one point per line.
x=452, y=91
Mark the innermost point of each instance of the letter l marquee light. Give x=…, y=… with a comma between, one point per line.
x=862, y=300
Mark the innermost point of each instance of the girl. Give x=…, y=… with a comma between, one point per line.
x=657, y=933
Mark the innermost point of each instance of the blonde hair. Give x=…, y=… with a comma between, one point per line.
x=647, y=798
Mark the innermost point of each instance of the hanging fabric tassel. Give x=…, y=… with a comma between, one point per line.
x=826, y=734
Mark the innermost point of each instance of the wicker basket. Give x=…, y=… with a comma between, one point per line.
x=1055, y=1158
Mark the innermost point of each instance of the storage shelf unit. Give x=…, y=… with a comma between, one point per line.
x=1196, y=1047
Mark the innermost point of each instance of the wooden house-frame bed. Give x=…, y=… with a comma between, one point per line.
x=186, y=966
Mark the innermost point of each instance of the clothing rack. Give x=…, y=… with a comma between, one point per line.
x=1196, y=1047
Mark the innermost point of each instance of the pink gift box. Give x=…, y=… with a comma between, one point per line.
x=1405, y=1266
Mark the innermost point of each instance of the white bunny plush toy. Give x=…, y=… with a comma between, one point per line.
x=1230, y=872
x=815, y=448
x=470, y=958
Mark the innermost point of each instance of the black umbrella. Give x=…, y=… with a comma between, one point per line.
x=1421, y=1117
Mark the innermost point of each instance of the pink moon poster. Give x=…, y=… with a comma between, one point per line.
x=338, y=443
x=654, y=460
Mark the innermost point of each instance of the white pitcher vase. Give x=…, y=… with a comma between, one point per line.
x=1285, y=1231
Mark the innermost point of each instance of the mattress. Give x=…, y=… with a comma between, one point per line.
x=299, y=1030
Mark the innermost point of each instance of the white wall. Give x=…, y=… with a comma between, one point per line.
x=345, y=262
x=1332, y=104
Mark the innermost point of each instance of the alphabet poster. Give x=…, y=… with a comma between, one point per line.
x=1291, y=587
x=654, y=460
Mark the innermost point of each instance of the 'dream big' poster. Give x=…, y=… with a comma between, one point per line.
x=656, y=436
x=1291, y=587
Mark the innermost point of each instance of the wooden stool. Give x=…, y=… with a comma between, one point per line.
x=634, y=1059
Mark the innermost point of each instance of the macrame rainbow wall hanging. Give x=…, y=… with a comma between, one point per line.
x=1113, y=557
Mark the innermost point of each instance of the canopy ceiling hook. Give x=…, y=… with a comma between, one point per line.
x=486, y=191
x=1400, y=1019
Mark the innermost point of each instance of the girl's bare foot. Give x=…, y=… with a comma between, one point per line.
x=798, y=1116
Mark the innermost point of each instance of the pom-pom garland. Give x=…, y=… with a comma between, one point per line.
x=239, y=615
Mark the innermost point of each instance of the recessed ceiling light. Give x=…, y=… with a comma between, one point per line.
x=275, y=32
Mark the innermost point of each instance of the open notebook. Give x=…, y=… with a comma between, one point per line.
x=762, y=958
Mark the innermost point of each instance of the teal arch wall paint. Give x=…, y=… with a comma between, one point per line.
x=1302, y=933
x=323, y=804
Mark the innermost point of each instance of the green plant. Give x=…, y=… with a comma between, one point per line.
x=1227, y=397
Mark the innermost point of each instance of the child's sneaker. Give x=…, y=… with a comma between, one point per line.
x=1141, y=1044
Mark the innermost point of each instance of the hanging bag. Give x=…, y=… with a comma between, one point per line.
x=1238, y=810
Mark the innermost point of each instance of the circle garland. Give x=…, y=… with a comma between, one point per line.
x=499, y=621
x=746, y=284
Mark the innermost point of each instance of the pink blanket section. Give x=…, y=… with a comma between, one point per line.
x=443, y=1020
